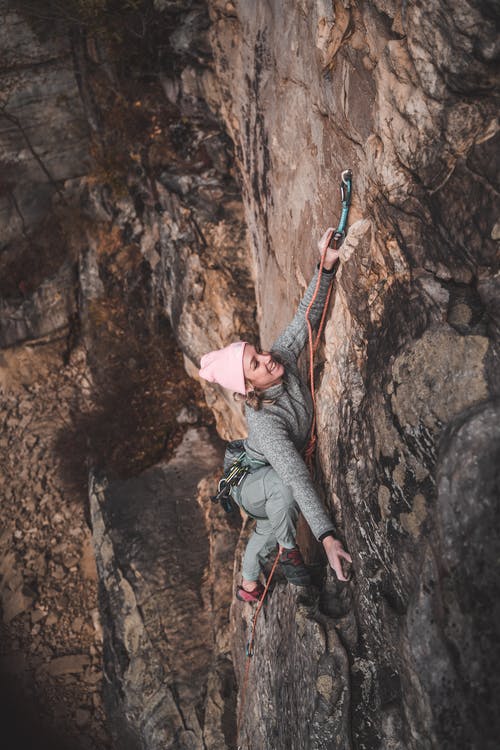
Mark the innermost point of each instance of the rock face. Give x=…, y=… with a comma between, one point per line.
x=162, y=652
x=114, y=213
x=38, y=87
x=217, y=149
x=51, y=654
x=405, y=97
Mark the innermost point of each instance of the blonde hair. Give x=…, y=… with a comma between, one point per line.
x=252, y=398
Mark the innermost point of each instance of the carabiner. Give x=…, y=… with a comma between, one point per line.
x=345, y=186
x=346, y=176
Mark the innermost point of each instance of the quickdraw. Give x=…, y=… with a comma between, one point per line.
x=345, y=197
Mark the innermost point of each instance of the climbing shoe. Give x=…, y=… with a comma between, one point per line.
x=250, y=596
x=294, y=568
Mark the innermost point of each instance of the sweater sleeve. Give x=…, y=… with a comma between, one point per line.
x=270, y=438
x=293, y=338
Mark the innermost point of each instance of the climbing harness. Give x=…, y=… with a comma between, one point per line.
x=236, y=466
x=234, y=475
x=313, y=342
x=335, y=240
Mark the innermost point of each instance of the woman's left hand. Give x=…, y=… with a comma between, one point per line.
x=332, y=255
x=336, y=553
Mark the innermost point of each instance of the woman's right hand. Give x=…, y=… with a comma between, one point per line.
x=332, y=255
x=347, y=246
x=336, y=553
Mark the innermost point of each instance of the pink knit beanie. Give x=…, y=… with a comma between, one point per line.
x=225, y=367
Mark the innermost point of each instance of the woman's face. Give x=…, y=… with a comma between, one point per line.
x=260, y=368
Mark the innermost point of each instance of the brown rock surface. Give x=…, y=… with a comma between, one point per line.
x=41, y=598
x=164, y=617
x=121, y=203
x=407, y=99
x=94, y=253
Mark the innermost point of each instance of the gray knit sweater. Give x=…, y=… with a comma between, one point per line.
x=278, y=432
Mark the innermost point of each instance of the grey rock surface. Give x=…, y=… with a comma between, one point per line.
x=152, y=555
x=43, y=129
x=44, y=314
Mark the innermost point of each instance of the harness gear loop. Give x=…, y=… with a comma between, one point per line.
x=231, y=478
x=313, y=342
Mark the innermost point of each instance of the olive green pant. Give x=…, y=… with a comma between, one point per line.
x=263, y=495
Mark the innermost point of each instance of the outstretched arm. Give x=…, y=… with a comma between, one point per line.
x=292, y=340
x=333, y=547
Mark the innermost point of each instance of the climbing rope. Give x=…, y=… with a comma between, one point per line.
x=313, y=342
x=336, y=238
x=250, y=642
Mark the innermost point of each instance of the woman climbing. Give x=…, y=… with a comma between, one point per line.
x=278, y=410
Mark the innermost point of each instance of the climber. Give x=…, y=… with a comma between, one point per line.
x=278, y=410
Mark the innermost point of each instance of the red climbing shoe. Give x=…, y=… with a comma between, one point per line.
x=294, y=568
x=250, y=596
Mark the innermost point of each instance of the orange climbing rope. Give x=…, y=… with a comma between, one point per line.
x=252, y=639
x=333, y=241
x=313, y=343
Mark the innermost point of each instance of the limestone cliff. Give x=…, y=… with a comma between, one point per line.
x=186, y=172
